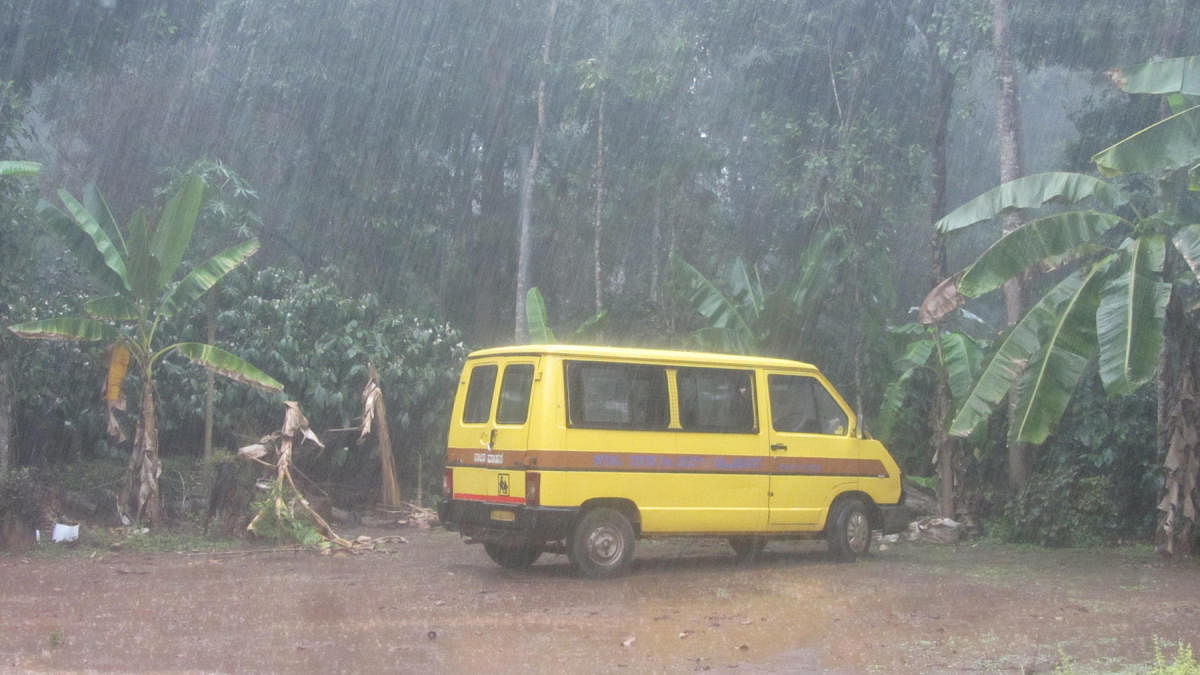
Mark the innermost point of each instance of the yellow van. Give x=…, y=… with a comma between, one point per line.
x=581, y=450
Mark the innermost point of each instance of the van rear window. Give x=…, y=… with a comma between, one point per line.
x=478, y=407
x=617, y=395
x=716, y=399
x=514, y=394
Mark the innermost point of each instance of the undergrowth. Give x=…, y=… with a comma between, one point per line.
x=1184, y=662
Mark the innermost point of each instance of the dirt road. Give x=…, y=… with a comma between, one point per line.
x=434, y=604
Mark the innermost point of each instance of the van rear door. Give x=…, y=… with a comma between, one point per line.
x=492, y=435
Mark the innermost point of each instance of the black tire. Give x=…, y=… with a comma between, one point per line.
x=601, y=544
x=848, y=530
x=747, y=547
x=513, y=557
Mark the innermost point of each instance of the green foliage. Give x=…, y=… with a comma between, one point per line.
x=318, y=341
x=1184, y=662
x=1060, y=509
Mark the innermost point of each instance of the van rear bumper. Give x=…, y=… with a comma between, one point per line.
x=534, y=524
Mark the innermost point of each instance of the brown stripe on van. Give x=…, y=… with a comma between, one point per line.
x=830, y=466
x=659, y=462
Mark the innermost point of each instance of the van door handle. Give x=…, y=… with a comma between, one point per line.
x=778, y=447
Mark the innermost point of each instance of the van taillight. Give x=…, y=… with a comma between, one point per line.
x=533, y=488
x=448, y=483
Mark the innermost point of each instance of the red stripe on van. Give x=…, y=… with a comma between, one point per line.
x=499, y=499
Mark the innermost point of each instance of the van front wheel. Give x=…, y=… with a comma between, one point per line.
x=513, y=557
x=601, y=544
x=848, y=530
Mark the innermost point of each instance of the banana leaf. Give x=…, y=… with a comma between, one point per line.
x=1046, y=388
x=1187, y=242
x=963, y=359
x=67, y=328
x=112, y=307
x=724, y=315
x=1029, y=192
x=1013, y=356
x=1173, y=143
x=893, y=402
x=206, y=275
x=1169, y=76
x=1037, y=241
x=87, y=241
x=143, y=266
x=537, y=319
x=96, y=205
x=11, y=167
x=1131, y=317
x=175, y=227
x=225, y=363
x=747, y=287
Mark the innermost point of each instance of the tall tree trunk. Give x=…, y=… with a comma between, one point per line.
x=6, y=413
x=598, y=229
x=1008, y=134
x=945, y=447
x=525, y=246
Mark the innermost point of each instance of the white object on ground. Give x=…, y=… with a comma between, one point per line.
x=64, y=533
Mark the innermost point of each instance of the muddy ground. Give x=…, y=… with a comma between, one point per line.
x=434, y=604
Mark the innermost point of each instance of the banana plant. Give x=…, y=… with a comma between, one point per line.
x=1113, y=306
x=952, y=355
x=139, y=269
x=745, y=318
x=538, y=320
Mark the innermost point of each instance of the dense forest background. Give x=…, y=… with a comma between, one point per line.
x=378, y=151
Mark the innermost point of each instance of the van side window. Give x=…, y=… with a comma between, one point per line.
x=716, y=399
x=514, y=394
x=478, y=406
x=617, y=396
x=802, y=405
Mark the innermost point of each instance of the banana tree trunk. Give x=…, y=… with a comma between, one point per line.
x=1179, y=434
x=141, y=489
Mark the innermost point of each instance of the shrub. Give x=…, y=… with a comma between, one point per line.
x=1062, y=508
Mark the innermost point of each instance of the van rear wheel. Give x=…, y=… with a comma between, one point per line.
x=513, y=557
x=601, y=544
x=848, y=530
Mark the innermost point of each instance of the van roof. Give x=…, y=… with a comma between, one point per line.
x=586, y=351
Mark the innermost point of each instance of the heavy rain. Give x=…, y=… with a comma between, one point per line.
x=247, y=248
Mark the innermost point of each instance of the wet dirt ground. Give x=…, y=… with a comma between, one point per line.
x=434, y=604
